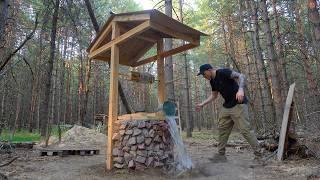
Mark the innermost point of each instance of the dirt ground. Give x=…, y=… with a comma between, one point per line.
x=239, y=166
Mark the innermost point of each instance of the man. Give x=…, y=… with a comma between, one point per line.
x=234, y=110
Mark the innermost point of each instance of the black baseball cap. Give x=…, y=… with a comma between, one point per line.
x=203, y=68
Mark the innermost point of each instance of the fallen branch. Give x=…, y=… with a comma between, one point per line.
x=5, y=62
x=7, y=163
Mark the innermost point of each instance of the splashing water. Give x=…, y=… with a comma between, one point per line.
x=182, y=161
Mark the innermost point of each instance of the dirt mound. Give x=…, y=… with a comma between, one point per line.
x=79, y=137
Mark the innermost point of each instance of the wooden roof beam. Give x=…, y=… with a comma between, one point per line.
x=166, y=54
x=133, y=17
x=101, y=38
x=124, y=37
x=172, y=33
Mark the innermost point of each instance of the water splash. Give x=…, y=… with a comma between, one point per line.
x=182, y=161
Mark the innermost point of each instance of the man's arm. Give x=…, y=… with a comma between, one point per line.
x=242, y=80
x=212, y=97
x=240, y=77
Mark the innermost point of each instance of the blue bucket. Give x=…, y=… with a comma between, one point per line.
x=169, y=108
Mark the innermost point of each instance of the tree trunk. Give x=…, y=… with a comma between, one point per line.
x=306, y=61
x=66, y=118
x=168, y=60
x=18, y=111
x=2, y=114
x=62, y=76
x=314, y=18
x=46, y=99
x=186, y=78
x=96, y=28
x=262, y=70
x=4, y=4
x=273, y=63
x=280, y=54
x=252, y=76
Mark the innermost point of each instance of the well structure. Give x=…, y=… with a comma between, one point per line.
x=124, y=40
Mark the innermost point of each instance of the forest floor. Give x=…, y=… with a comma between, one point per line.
x=240, y=165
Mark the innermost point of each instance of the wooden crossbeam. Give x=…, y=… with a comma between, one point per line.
x=139, y=54
x=166, y=54
x=124, y=37
x=101, y=38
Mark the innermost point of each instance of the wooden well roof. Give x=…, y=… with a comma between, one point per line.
x=139, y=32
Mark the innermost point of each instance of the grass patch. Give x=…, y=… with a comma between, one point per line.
x=25, y=136
x=204, y=135
x=210, y=134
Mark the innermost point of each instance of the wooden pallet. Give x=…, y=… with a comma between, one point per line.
x=66, y=152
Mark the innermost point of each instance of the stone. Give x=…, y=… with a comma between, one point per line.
x=133, y=153
x=121, y=132
x=161, y=146
x=134, y=148
x=164, y=139
x=156, y=147
x=132, y=141
x=126, y=148
x=142, y=153
x=115, y=151
x=132, y=124
x=124, y=142
x=119, y=166
x=116, y=136
x=130, y=131
x=148, y=125
x=131, y=164
x=142, y=146
x=151, y=133
x=121, y=153
x=127, y=157
x=155, y=127
x=165, y=156
x=148, y=141
x=126, y=137
x=154, y=122
x=140, y=139
x=136, y=131
x=145, y=132
x=141, y=124
x=150, y=153
x=140, y=166
x=119, y=160
x=160, y=153
x=158, y=164
x=123, y=126
x=157, y=139
x=140, y=159
x=149, y=161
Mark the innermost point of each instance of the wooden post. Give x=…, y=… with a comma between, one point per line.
x=284, y=126
x=160, y=70
x=113, y=95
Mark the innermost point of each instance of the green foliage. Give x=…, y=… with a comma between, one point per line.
x=25, y=136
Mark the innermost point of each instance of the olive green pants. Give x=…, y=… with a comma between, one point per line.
x=239, y=116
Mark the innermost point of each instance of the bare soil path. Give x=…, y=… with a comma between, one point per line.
x=239, y=166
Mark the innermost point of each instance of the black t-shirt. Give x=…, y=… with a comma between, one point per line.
x=227, y=87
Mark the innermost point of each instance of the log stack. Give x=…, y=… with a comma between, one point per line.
x=140, y=144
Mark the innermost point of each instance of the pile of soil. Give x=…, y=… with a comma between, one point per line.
x=79, y=137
